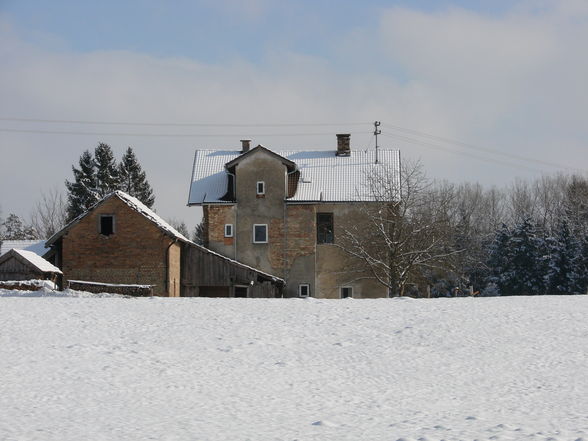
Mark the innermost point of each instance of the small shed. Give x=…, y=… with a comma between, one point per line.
x=26, y=265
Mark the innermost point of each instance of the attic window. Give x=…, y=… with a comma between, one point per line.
x=260, y=188
x=106, y=224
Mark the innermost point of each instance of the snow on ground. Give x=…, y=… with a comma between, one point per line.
x=76, y=367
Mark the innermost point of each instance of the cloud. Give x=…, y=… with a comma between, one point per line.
x=513, y=82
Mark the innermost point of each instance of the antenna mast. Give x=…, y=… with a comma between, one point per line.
x=376, y=133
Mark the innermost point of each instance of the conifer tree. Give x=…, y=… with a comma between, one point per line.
x=106, y=170
x=82, y=192
x=13, y=228
x=563, y=273
x=497, y=258
x=525, y=270
x=132, y=179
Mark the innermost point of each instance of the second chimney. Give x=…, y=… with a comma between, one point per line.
x=245, y=144
x=343, y=144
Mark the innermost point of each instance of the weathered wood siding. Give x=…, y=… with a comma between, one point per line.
x=13, y=269
x=203, y=270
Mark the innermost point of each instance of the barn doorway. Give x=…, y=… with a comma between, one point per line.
x=241, y=291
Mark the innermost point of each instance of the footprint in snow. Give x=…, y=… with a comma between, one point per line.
x=324, y=423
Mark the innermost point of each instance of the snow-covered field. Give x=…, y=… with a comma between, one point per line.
x=82, y=368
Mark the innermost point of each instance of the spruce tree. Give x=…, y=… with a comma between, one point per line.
x=82, y=192
x=497, y=259
x=13, y=228
x=563, y=273
x=525, y=261
x=106, y=170
x=132, y=179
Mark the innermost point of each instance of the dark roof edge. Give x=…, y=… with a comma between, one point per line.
x=290, y=164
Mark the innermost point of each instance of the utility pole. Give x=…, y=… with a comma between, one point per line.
x=376, y=133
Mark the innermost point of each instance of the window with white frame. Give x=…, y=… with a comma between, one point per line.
x=228, y=230
x=304, y=290
x=260, y=233
x=260, y=188
x=346, y=291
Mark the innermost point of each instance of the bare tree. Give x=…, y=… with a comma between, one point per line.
x=50, y=214
x=179, y=226
x=406, y=231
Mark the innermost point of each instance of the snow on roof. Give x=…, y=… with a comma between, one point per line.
x=36, y=246
x=324, y=176
x=133, y=203
x=139, y=206
x=37, y=261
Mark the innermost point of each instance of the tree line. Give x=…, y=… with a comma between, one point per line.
x=96, y=175
x=442, y=238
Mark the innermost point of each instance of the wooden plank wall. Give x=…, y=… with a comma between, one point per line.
x=13, y=269
x=200, y=268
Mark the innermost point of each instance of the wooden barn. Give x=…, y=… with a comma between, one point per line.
x=121, y=241
x=26, y=265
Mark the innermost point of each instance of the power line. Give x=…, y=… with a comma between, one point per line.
x=171, y=124
x=160, y=135
x=475, y=147
x=447, y=149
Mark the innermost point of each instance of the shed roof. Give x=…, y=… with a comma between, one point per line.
x=32, y=259
x=324, y=176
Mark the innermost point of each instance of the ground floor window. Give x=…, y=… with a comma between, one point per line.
x=304, y=290
x=241, y=291
x=346, y=291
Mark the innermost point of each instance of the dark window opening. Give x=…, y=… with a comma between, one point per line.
x=324, y=228
x=106, y=225
x=228, y=230
x=241, y=291
x=304, y=290
x=260, y=187
x=346, y=291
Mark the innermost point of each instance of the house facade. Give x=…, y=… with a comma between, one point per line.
x=286, y=212
x=121, y=241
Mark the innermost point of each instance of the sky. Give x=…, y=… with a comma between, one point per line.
x=478, y=91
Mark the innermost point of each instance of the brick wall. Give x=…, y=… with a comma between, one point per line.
x=137, y=253
x=301, y=231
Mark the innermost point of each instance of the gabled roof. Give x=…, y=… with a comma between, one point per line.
x=141, y=208
x=32, y=259
x=133, y=203
x=324, y=176
x=291, y=165
x=37, y=246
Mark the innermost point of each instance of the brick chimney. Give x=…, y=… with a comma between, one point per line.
x=245, y=144
x=343, y=144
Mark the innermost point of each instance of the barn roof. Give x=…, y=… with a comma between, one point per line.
x=141, y=208
x=32, y=259
x=323, y=176
x=133, y=203
x=36, y=246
